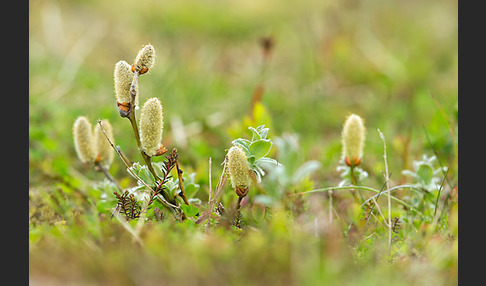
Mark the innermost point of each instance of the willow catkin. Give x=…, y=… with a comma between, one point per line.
x=353, y=136
x=145, y=59
x=239, y=170
x=151, y=126
x=104, y=151
x=123, y=77
x=83, y=139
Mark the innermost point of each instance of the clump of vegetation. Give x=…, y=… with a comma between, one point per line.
x=155, y=181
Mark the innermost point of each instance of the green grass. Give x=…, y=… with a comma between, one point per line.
x=395, y=64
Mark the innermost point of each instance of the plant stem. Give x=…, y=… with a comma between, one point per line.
x=133, y=122
x=375, y=203
x=238, y=204
x=366, y=189
x=210, y=209
x=354, y=181
x=353, y=177
x=105, y=172
x=330, y=206
x=159, y=189
x=212, y=199
x=389, y=198
x=181, y=186
x=238, y=212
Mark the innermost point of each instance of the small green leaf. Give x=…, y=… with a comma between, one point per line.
x=195, y=201
x=256, y=134
x=244, y=143
x=159, y=168
x=260, y=148
x=425, y=173
x=191, y=189
x=262, y=131
x=259, y=133
x=190, y=210
x=259, y=170
x=251, y=160
x=266, y=160
x=258, y=176
x=143, y=173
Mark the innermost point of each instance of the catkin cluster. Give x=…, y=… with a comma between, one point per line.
x=238, y=170
x=124, y=77
x=91, y=145
x=353, y=136
x=151, y=118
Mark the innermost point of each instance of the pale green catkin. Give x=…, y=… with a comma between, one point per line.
x=83, y=139
x=123, y=77
x=238, y=169
x=151, y=125
x=104, y=152
x=353, y=136
x=145, y=59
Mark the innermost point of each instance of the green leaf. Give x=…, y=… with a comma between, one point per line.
x=266, y=160
x=262, y=131
x=195, y=201
x=259, y=133
x=258, y=176
x=190, y=210
x=425, y=173
x=251, y=160
x=244, y=143
x=143, y=173
x=259, y=170
x=260, y=148
x=159, y=168
x=191, y=189
x=256, y=134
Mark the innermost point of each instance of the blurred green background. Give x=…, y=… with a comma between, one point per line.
x=394, y=63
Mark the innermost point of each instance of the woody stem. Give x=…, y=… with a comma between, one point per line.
x=181, y=186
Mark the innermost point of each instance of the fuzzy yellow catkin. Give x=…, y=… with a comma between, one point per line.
x=145, y=59
x=123, y=77
x=239, y=170
x=151, y=126
x=83, y=139
x=104, y=151
x=353, y=136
